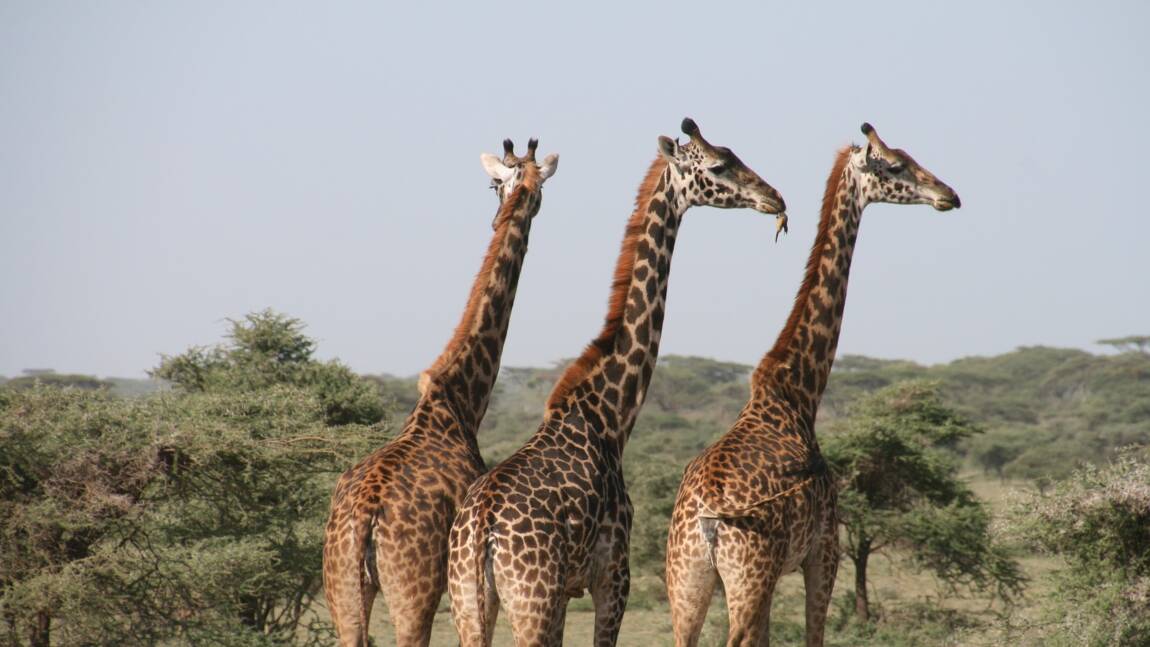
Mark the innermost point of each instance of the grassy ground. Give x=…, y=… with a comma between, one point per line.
x=915, y=612
x=914, y=608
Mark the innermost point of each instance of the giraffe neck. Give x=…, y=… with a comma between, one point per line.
x=608, y=382
x=468, y=367
x=800, y=361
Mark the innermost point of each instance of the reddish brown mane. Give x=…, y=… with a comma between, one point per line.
x=780, y=351
x=529, y=183
x=605, y=342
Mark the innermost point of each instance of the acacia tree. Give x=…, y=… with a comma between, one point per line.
x=188, y=517
x=262, y=479
x=1139, y=343
x=898, y=487
x=73, y=466
x=266, y=349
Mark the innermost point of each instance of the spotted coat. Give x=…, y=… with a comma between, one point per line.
x=760, y=502
x=390, y=513
x=554, y=519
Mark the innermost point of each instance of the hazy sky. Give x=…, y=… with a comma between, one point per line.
x=165, y=166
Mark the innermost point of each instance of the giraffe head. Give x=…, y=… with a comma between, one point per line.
x=512, y=171
x=714, y=176
x=890, y=175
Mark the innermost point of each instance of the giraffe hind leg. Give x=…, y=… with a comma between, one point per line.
x=475, y=629
x=691, y=578
x=413, y=575
x=536, y=607
x=750, y=562
x=350, y=583
x=540, y=623
x=412, y=605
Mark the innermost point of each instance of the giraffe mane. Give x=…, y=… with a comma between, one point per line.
x=604, y=343
x=528, y=184
x=780, y=351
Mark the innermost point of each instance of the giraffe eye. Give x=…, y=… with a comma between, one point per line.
x=895, y=169
x=719, y=168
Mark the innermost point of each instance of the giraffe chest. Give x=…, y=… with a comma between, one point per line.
x=589, y=501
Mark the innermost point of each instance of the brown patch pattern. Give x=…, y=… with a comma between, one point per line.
x=760, y=502
x=624, y=265
x=553, y=521
x=391, y=513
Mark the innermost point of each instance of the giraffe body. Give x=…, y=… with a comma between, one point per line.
x=760, y=502
x=553, y=520
x=391, y=513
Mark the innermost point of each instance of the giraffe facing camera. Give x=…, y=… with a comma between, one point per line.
x=390, y=513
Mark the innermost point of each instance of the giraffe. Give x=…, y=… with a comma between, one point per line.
x=390, y=514
x=760, y=502
x=553, y=520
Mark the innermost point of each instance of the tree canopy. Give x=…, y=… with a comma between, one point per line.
x=193, y=516
x=899, y=487
x=1137, y=343
x=267, y=348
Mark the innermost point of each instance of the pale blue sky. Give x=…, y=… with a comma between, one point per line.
x=166, y=165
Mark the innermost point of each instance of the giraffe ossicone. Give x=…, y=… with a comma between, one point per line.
x=506, y=172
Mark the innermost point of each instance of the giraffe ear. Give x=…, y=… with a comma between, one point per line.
x=549, y=166
x=494, y=167
x=668, y=148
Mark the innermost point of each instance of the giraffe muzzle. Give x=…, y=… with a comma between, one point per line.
x=771, y=206
x=947, y=203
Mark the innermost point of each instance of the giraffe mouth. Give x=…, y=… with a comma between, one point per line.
x=773, y=207
x=946, y=204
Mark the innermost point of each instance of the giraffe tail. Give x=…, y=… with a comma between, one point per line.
x=482, y=563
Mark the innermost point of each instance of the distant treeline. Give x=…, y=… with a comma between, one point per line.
x=1044, y=410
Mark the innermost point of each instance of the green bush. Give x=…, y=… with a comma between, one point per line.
x=194, y=516
x=266, y=349
x=1099, y=521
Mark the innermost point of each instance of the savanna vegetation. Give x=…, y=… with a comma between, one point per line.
x=999, y=500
